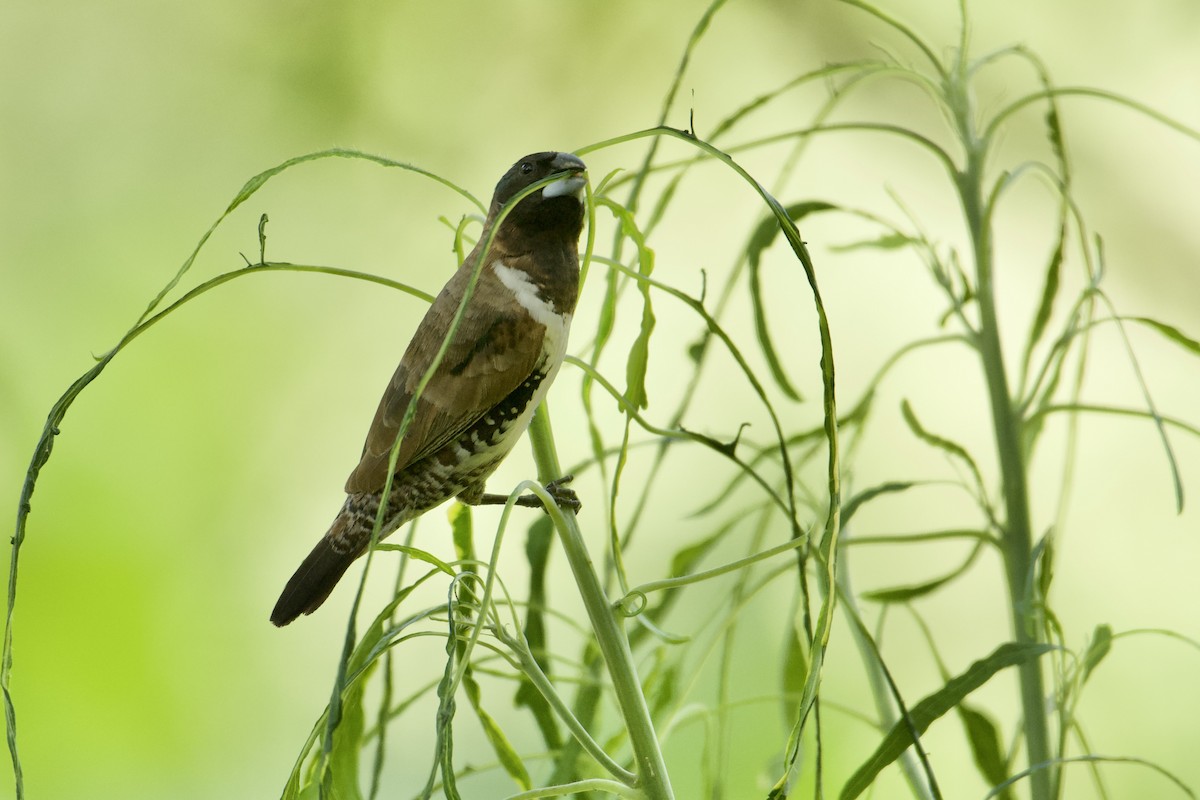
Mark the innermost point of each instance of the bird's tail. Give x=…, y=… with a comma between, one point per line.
x=313, y=581
x=346, y=540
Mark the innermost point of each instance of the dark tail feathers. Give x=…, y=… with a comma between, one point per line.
x=312, y=583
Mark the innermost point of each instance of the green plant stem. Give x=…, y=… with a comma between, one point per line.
x=1017, y=539
x=533, y=671
x=607, y=626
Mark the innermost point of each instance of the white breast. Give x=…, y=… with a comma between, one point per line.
x=542, y=310
x=554, y=346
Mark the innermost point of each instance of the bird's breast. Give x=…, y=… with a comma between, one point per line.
x=541, y=309
x=482, y=446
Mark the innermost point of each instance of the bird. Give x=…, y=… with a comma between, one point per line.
x=497, y=367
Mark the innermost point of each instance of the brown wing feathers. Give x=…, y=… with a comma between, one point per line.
x=491, y=353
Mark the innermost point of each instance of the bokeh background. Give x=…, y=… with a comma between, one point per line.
x=192, y=476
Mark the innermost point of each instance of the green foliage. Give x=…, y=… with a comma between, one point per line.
x=771, y=535
x=904, y=733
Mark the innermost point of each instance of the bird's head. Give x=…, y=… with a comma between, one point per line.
x=554, y=210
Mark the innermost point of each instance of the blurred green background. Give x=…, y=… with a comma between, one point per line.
x=192, y=476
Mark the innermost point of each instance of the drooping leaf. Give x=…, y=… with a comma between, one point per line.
x=340, y=779
x=1049, y=293
x=639, y=357
x=888, y=241
x=608, y=313
x=1045, y=560
x=417, y=554
x=985, y=746
x=537, y=553
x=637, y=364
x=1054, y=132
x=762, y=238
x=940, y=442
x=1098, y=648
x=910, y=592
x=853, y=504
x=347, y=743
x=768, y=228
x=663, y=690
x=905, y=594
x=685, y=559
x=505, y=753
x=443, y=747
x=462, y=530
x=795, y=673
x=934, y=706
x=1171, y=332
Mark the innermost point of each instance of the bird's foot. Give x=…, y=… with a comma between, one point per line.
x=562, y=496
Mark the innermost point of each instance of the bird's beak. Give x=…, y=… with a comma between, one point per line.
x=571, y=185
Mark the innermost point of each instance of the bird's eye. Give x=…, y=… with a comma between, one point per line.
x=526, y=168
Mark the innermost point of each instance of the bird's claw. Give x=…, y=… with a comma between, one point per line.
x=557, y=489
x=563, y=496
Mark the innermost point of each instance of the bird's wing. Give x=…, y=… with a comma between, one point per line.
x=491, y=353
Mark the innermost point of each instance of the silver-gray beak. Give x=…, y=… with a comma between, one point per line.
x=572, y=185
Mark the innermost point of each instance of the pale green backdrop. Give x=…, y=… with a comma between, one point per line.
x=191, y=477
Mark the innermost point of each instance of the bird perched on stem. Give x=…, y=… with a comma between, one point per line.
x=498, y=363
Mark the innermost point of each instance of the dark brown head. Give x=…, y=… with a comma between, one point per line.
x=555, y=210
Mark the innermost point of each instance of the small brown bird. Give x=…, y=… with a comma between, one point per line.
x=499, y=364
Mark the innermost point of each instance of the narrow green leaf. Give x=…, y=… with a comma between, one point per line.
x=892, y=487
x=303, y=779
x=608, y=313
x=685, y=560
x=1171, y=332
x=505, y=753
x=888, y=241
x=768, y=228
x=1049, y=293
x=948, y=446
x=1054, y=131
x=663, y=691
x=537, y=552
x=639, y=357
x=344, y=756
x=1045, y=559
x=760, y=240
x=462, y=530
x=795, y=673
x=347, y=742
x=1098, y=648
x=931, y=708
x=639, y=353
x=443, y=748
x=417, y=554
x=905, y=594
x=985, y=746
x=664, y=199
x=340, y=777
